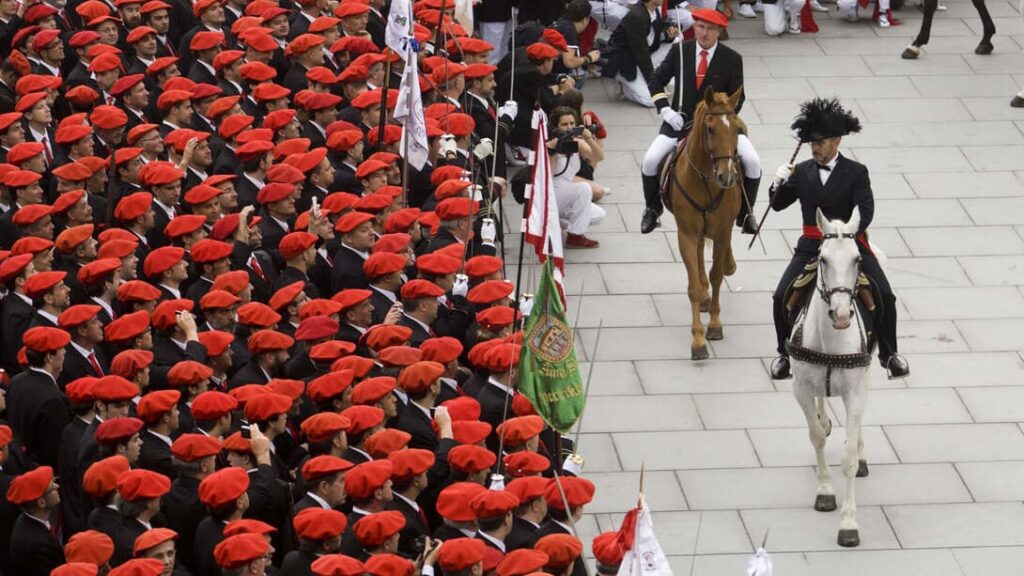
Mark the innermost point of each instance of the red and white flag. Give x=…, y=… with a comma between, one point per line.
x=540, y=215
x=644, y=556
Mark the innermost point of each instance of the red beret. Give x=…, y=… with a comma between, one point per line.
x=123, y=85
x=415, y=289
x=349, y=9
x=218, y=299
x=183, y=225
x=711, y=16
x=479, y=267
x=21, y=178
x=461, y=553
x=469, y=458
x=516, y=431
x=399, y=356
x=137, y=132
x=333, y=383
x=496, y=317
x=411, y=462
x=286, y=295
x=362, y=418
x=117, y=430
x=337, y=565
x=90, y=546
x=136, y=485
x=451, y=189
x=383, y=264
x=373, y=530
x=318, y=307
x=258, y=314
x=171, y=98
x=155, y=404
x=160, y=172
x=463, y=408
x=389, y=565
x=343, y=140
x=23, y=151
x=129, y=363
x=30, y=486
x=363, y=480
x=318, y=524
x=351, y=221
x=457, y=123
x=393, y=243
x=372, y=390
x=608, y=549
x=387, y=441
x=44, y=339
x=453, y=502
x=133, y=206
x=211, y=405
x=522, y=562
x=79, y=391
x=316, y=328
x=194, y=447
x=162, y=259
x=108, y=117
x=234, y=281
x=201, y=194
x=420, y=376
x=519, y=464
x=205, y=40
x=101, y=477
x=248, y=526
x=274, y=192
x=223, y=487
x=323, y=426
x=267, y=406
x=165, y=314
x=238, y=551
x=493, y=503
x=490, y=291
x=562, y=549
x=540, y=51
x=295, y=243
x=436, y=265
x=77, y=315
x=153, y=537
x=555, y=38
x=138, y=33
x=381, y=336
x=324, y=465
x=137, y=291
x=129, y=326
x=578, y=492
x=188, y=373
x=208, y=250
x=470, y=431
x=31, y=214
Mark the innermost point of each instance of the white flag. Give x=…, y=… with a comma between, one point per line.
x=760, y=564
x=645, y=557
x=540, y=216
x=409, y=113
x=464, y=13
x=399, y=28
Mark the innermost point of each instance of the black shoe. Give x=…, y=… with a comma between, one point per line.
x=748, y=225
x=650, y=221
x=780, y=368
x=897, y=367
x=1017, y=102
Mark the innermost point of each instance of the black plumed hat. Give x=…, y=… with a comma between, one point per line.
x=823, y=118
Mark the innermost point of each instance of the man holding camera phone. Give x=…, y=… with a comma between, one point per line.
x=705, y=63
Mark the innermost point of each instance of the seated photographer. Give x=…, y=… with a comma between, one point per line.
x=570, y=26
x=568, y=145
x=574, y=99
x=636, y=47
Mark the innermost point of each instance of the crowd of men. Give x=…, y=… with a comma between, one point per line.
x=238, y=335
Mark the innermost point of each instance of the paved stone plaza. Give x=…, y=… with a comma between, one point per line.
x=726, y=448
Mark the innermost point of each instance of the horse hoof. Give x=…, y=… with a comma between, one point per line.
x=714, y=333
x=862, y=469
x=984, y=48
x=849, y=538
x=825, y=502
x=705, y=306
x=700, y=353
x=910, y=53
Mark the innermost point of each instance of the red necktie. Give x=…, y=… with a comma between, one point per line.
x=46, y=150
x=702, y=67
x=255, y=265
x=95, y=365
x=423, y=517
x=110, y=100
x=490, y=110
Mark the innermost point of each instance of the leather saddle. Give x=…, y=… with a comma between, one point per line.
x=802, y=289
x=666, y=175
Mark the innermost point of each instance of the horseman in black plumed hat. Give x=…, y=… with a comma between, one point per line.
x=837, y=185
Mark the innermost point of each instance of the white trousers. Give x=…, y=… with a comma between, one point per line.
x=575, y=210
x=686, y=16
x=635, y=90
x=608, y=13
x=664, y=145
x=497, y=34
x=844, y=5
x=775, y=15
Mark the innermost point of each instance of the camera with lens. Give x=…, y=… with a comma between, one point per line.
x=566, y=143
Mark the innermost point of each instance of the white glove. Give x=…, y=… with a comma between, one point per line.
x=488, y=232
x=497, y=482
x=510, y=109
x=672, y=118
x=484, y=149
x=526, y=304
x=478, y=192
x=574, y=464
x=783, y=174
x=461, y=285
x=447, y=145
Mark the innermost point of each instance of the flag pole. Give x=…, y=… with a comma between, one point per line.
x=410, y=61
x=586, y=387
x=382, y=120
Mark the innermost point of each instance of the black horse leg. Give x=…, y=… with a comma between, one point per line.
x=988, y=28
x=930, y=6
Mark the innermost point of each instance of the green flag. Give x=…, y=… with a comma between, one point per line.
x=549, y=375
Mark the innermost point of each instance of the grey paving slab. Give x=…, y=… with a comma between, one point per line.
x=804, y=529
x=985, y=158
x=653, y=343
x=910, y=406
x=993, y=481
x=862, y=86
x=961, y=370
x=611, y=378
x=687, y=377
x=913, y=111
x=958, y=525
x=913, y=159
x=957, y=442
x=978, y=241
x=653, y=278
x=599, y=451
x=998, y=404
x=963, y=303
x=751, y=410
x=610, y=414
x=990, y=108
x=930, y=336
x=925, y=273
x=997, y=334
x=685, y=450
x=934, y=64
x=791, y=446
x=987, y=185
x=661, y=489
x=918, y=213
x=737, y=308
x=618, y=310
x=963, y=132
x=982, y=561
x=994, y=211
x=846, y=563
x=964, y=85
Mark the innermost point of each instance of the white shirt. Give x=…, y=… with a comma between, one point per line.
x=323, y=503
x=501, y=386
x=363, y=255
x=412, y=503
x=498, y=543
x=824, y=174
x=85, y=353
x=167, y=209
x=103, y=304
x=167, y=440
x=176, y=292
x=387, y=293
x=416, y=320
x=48, y=316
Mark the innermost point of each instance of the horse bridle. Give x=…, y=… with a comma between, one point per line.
x=711, y=155
x=824, y=291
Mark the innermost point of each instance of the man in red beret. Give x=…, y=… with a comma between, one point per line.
x=85, y=356
x=357, y=238
x=35, y=406
x=530, y=513
x=159, y=410
x=703, y=58
x=194, y=457
x=33, y=547
x=176, y=339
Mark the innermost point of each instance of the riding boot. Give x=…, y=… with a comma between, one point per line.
x=746, y=220
x=652, y=197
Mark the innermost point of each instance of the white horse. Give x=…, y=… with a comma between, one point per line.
x=830, y=359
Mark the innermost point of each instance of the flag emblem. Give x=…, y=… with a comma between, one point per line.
x=550, y=339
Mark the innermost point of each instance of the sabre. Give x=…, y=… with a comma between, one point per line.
x=760, y=223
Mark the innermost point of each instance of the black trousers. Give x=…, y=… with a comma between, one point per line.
x=807, y=250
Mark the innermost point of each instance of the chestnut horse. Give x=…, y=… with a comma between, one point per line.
x=704, y=194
